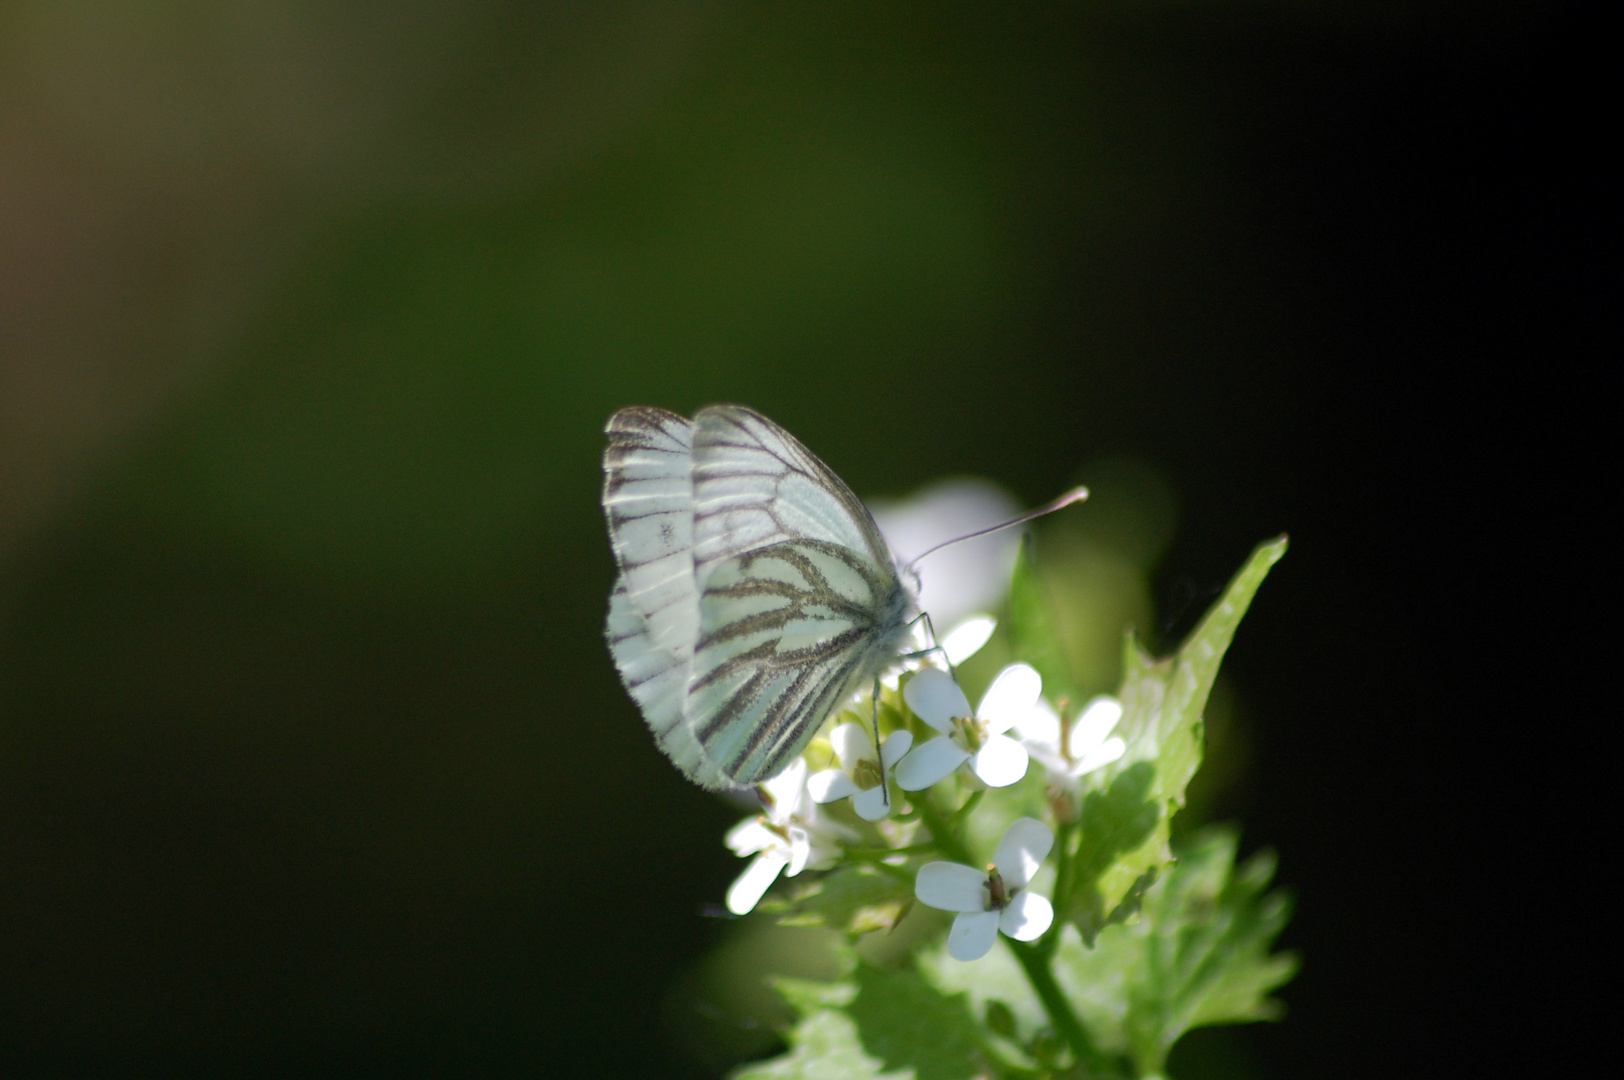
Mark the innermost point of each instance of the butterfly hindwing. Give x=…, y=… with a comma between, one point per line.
x=654, y=608
x=648, y=498
x=658, y=681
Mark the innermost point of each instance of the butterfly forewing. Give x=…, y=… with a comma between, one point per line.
x=755, y=485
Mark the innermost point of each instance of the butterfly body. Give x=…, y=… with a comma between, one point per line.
x=755, y=592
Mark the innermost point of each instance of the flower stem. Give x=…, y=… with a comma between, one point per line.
x=1062, y=888
x=947, y=839
x=1033, y=957
x=1034, y=960
x=877, y=854
x=964, y=811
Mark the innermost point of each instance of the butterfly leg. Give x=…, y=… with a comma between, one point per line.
x=930, y=632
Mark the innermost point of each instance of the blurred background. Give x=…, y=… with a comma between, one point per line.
x=312, y=760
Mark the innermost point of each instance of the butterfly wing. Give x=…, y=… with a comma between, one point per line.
x=755, y=485
x=654, y=609
x=799, y=600
x=787, y=632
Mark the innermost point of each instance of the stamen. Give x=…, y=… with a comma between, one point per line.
x=997, y=894
x=972, y=731
x=867, y=774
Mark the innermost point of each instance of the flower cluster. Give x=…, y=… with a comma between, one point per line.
x=791, y=834
x=990, y=746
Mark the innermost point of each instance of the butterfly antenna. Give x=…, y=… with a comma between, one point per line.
x=1075, y=495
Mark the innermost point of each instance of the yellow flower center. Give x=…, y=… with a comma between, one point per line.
x=970, y=732
x=867, y=774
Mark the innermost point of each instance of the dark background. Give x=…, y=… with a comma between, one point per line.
x=311, y=758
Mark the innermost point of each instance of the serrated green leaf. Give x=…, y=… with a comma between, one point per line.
x=1224, y=973
x=873, y=1021
x=1197, y=956
x=1126, y=820
x=854, y=898
x=823, y=1046
x=909, y=1024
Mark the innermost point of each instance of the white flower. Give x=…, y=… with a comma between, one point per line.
x=791, y=835
x=966, y=639
x=1089, y=744
x=996, y=900
x=859, y=775
x=977, y=739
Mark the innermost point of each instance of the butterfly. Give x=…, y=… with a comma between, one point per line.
x=755, y=592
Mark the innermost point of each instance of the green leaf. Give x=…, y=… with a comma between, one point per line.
x=1118, y=855
x=1126, y=820
x=993, y=984
x=856, y=898
x=823, y=1046
x=909, y=1024
x=873, y=1021
x=1197, y=956
x=1030, y=626
x=807, y=996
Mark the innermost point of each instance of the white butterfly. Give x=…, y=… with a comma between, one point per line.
x=755, y=591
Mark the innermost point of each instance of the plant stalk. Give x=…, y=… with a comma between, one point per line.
x=1033, y=957
x=1035, y=962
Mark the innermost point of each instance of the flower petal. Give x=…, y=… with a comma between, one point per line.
x=748, y=889
x=929, y=762
x=1000, y=762
x=951, y=886
x=935, y=698
x=966, y=639
x=871, y=805
x=800, y=850
x=1057, y=767
x=1040, y=726
x=750, y=836
x=972, y=935
x=852, y=744
x=1024, y=845
x=1027, y=917
x=1010, y=697
x=896, y=745
x=826, y=838
x=1092, y=725
x=1101, y=756
x=830, y=784
x=784, y=792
